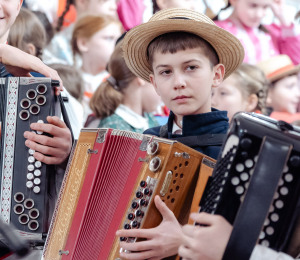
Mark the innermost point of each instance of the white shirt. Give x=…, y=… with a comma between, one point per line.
x=176, y=130
x=264, y=253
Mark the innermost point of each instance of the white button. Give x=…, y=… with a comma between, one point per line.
x=265, y=243
x=249, y=163
x=38, y=164
x=286, y=169
x=37, y=181
x=40, y=121
x=274, y=217
x=262, y=235
x=30, y=176
x=270, y=231
x=289, y=177
x=284, y=191
x=239, y=167
x=235, y=181
x=31, y=152
x=36, y=189
x=279, y=204
x=30, y=167
x=37, y=173
x=239, y=189
x=31, y=159
x=281, y=182
x=244, y=176
x=29, y=184
x=39, y=132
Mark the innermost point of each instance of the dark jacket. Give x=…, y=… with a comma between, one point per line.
x=215, y=122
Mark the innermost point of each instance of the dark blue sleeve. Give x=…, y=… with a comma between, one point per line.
x=152, y=131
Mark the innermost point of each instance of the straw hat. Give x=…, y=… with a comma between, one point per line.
x=229, y=49
x=278, y=67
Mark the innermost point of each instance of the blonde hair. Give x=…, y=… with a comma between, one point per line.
x=27, y=29
x=87, y=26
x=252, y=80
x=106, y=98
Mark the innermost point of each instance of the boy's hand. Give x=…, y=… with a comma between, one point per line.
x=162, y=241
x=207, y=242
x=20, y=64
x=57, y=147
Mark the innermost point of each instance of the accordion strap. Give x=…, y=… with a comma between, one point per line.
x=272, y=158
x=65, y=116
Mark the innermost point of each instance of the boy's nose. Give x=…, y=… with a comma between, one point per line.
x=179, y=82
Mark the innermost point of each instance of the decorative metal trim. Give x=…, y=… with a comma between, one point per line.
x=101, y=136
x=144, y=160
x=144, y=143
x=184, y=155
x=166, y=184
x=9, y=148
x=29, y=81
x=208, y=163
x=60, y=252
x=89, y=151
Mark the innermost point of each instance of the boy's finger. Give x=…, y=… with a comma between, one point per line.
x=142, y=233
x=184, y=252
x=137, y=246
x=138, y=256
x=56, y=121
x=204, y=218
x=42, y=139
x=43, y=149
x=46, y=159
x=189, y=230
x=163, y=209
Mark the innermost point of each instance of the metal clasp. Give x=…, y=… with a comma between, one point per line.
x=144, y=160
x=61, y=252
x=184, y=155
x=89, y=151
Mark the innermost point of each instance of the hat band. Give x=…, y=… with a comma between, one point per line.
x=281, y=70
x=183, y=18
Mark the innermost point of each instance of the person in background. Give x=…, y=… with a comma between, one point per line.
x=94, y=39
x=28, y=35
x=164, y=4
x=60, y=46
x=262, y=42
x=119, y=101
x=244, y=90
x=284, y=93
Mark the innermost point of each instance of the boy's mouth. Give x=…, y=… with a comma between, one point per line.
x=180, y=97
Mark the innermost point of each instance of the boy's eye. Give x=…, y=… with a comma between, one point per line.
x=223, y=93
x=166, y=72
x=192, y=67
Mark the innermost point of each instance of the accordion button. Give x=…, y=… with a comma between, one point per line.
x=143, y=184
x=31, y=152
x=246, y=143
x=38, y=164
x=123, y=239
x=134, y=205
x=130, y=216
x=37, y=173
x=135, y=224
x=139, y=213
x=29, y=184
x=144, y=203
x=30, y=167
x=139, y=194
x=31, y=159
x=30, y=176
x=127, y=226
x=295, y=161
x=36, y=189
x=40, y=121
x=37, y=181
x=147, y=192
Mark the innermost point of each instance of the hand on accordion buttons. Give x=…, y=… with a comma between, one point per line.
x=20, y=64
x=162, y=241
x=205, y=242
x=50, y=150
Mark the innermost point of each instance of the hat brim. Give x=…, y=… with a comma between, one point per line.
x=286, y=73
x=229, y=49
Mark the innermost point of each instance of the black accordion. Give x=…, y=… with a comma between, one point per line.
x=26, y=184
x=256, y=186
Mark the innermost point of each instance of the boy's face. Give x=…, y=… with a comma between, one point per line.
x=184, y=80
x=9, y=10
x=285, y=95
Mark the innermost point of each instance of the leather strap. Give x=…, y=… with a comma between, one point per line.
x=65, y=116
x=272, y=158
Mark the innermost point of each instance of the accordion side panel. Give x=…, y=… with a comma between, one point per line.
x=70, y=196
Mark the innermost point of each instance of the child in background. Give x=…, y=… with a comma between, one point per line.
x=262, y=42
x=245, y=90
x=60, y=45
x=119, y=101
x=164, y=4
x=284, y=93
x=94, y=38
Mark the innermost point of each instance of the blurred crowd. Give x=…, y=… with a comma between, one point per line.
x=82, y=41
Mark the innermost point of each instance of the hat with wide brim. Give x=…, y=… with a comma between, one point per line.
x=135, y=45
x=278, y=67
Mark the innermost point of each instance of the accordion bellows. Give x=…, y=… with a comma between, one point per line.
x=111, y=181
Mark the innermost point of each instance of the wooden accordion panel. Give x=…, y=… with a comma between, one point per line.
x=25, y=181
x=118, y=192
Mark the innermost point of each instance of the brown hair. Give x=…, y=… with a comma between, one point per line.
x=27, y=29
x=87, y=26
x=106, y=98
x=47, y=25
x=72, y=80
x=180, y=41
x=252, y=80
x=155, y=7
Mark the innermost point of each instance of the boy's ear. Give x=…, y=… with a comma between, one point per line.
x=252, y=102
x=82, y=45
x=152, y=80
x=30, y=48
x=219, y=73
